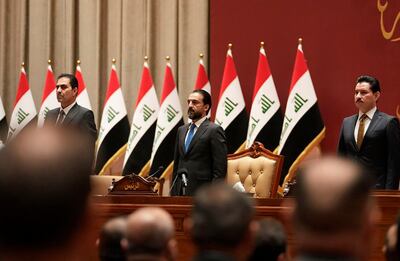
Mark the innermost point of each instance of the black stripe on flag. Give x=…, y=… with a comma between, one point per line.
x=141, y=154
x=3, y=129
x=305, y=131
x=115, y=139
x=270, y=134
x=165, y=153
x=236, y=131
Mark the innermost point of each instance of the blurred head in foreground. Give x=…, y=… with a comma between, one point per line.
x=222, y=222
x=150, y=235
x=109, y=241
x=334, y=214
x=270, y=242
x=44, y=188
x=391, y=249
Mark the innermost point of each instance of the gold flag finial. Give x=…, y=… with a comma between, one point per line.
x=300, y=40
x=201, y=55
x=22, y=64
x=49, y=62
x=262, y=44
x=78, y=62
x=113, y=60
x=230, y=46
x=167, y=58
x=146, y=58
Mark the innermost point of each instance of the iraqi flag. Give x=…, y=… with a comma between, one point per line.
x=231, y=110
x=170, y=118
x=24, y=111
x=114, y=126
x=266, y=118
x=138, y=152
x=3, y=123
x=303, y=128
x=49, y=98
x=83, y=97
x=202, y=82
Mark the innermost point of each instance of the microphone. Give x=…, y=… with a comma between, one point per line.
x=160, y=169
x=183, y=172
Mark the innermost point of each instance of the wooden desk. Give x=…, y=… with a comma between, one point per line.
x=180, y=207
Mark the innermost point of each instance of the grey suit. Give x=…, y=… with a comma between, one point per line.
x=380, y=149
x=205, y=160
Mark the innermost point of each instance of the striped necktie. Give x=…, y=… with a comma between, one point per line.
x=61, y=117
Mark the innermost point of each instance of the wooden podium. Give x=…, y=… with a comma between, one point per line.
x=137, y=186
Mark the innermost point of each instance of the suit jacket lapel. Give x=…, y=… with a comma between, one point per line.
x=182, y=136
x=71, y=114
x=202, y=128
x=373, y=124
x=352, y=128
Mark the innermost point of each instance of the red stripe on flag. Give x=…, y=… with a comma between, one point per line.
x=79, y=77
x=113, y=84
x=23, y=86
x=169, y=83
x=145, y=84
x=263, y=72
x=300, y=67
x=229, y=73
x=50, y=83
x=202, y=78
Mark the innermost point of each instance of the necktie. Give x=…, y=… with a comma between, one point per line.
x=189, y=136
x=61, y=117
x=360, y=134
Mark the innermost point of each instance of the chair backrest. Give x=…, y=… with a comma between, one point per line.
x=101, y=183
x=257, y=169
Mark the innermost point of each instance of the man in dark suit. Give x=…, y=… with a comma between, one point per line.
x=71, y=114
x=200, y=148
x=372, y=137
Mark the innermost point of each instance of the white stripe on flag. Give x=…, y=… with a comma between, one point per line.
x=145, y=115
x=301, y=99
x=114, y=111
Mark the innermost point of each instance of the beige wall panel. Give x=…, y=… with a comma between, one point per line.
x=192, y=40
x=40, y=24
x=63, y=37
x=133, y=49
x=12, y=39
x=88, y=51
x=163, y=30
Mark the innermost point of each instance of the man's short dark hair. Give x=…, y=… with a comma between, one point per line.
x=375, y=86
x=44, y=188
x=221, y=216
x=206, y=97
x=72, y=79
x=270, y=240
x=110, y=248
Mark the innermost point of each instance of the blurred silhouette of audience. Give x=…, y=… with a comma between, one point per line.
x=270, y=241
x=334, y=215
x=150, y=236
x=222, y=226
x=110, y=239
x=44, y=189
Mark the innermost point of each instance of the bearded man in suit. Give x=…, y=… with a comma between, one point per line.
x=372, y=137
x=200, y=148
x=71, y=114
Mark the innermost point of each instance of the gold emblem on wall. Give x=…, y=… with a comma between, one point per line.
x=388, y=35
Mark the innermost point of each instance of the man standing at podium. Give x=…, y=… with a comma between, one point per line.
x=71, y=114
x=372, y=137
x=200, y=148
